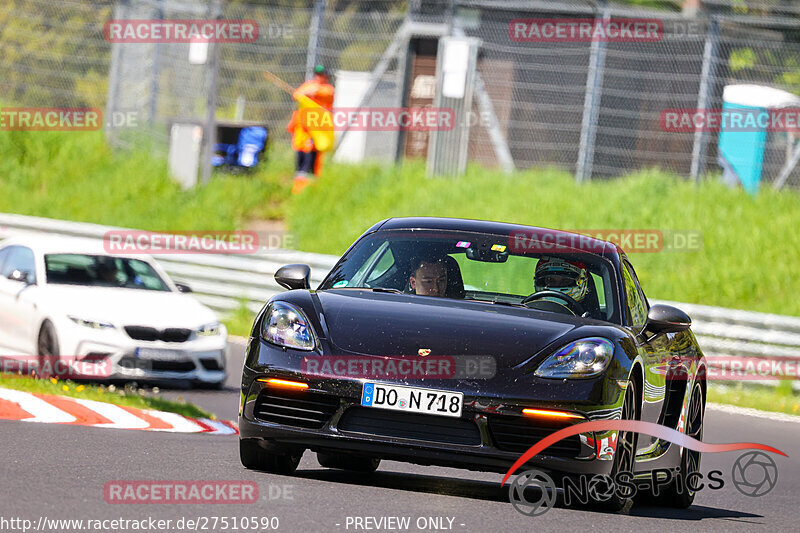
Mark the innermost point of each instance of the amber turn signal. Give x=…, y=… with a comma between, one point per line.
x=285, y=383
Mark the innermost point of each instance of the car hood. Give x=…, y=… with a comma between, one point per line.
x=124, y=307
x=369, y=323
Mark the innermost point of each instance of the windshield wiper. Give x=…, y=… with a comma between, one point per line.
x=373, y=289
x=498, y=302
x=384, y=289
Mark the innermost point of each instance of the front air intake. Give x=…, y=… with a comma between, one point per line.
x=304, y=409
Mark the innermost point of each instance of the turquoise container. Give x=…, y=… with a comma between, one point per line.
x=742, y=146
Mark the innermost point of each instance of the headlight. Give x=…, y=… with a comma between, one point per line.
x=287, y=326
x=579, y=359
x=209, y=330
x=94, y=324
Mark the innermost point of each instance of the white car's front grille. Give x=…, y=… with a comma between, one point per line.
x=144, y=333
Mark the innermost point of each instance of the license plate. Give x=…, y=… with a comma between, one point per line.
x=412, y=399
x=160, y=355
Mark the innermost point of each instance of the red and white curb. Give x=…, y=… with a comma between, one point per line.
x=32, y=407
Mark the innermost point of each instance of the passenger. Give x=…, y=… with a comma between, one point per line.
x=566, y=277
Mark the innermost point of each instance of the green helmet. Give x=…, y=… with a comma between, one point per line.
x=566, y=277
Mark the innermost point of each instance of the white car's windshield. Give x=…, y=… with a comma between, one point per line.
x=102, y=271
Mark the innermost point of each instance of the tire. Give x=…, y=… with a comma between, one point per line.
x=354, y=463
x=690, y=460
x=254, y=457
x=625, y=451
x=47, y=350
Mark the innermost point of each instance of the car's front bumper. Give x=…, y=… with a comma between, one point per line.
x=489, y=406
x=112, y=355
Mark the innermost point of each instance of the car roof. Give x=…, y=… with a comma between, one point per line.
x=592, y=244
x=63, y=244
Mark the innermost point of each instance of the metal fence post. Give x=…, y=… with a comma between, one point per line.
x=447, y=149
x=152, y=111
x=314, y=31
x=486, y=108
x=707, y=76
x=114, y=75
x=591, y=103
x=402, y=83
x=210, y=126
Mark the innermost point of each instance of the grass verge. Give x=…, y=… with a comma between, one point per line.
x=76, y=176
x=240, y=322
x=746, y=262
x=127, y=396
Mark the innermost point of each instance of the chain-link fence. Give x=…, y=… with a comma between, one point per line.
x=598, y=113
x=53, y=53
x=592, y=108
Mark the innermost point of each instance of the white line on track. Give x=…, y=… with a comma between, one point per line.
x=180, y=424
x=41, y=410
x=120, y=418
x=219, y=427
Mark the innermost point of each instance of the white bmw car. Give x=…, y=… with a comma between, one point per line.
x=65, y=302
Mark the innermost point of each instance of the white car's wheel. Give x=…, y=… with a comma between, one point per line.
x=47, y=350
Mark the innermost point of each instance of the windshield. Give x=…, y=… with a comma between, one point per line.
x=478, y=267
x=102, y=271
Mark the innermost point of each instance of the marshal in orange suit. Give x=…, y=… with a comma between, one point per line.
x=309, y=140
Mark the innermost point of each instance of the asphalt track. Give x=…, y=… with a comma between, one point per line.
x=58, y=472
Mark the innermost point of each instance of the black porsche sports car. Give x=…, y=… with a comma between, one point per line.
x=463, y=343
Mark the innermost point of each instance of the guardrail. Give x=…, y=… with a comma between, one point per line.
x=224, y=282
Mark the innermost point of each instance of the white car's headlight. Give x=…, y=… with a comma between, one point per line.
x=579, y=359
x=94, y=324
x=209, y=330
x=287, y=326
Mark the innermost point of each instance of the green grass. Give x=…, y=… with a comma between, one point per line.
x=77, y=176
x=780, y=399
x=240, y=322
x=128, y=396
x=748, y=261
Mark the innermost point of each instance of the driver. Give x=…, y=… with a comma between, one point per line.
x=108, y=271
x=566, y=277
x=429, y=276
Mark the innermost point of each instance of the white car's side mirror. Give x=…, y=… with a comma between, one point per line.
x=182, y=287
x=19, y=275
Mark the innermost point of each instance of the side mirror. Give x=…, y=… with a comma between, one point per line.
x=295, y=276
x=666, y=319
x=182, y=287
x=18, y=275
